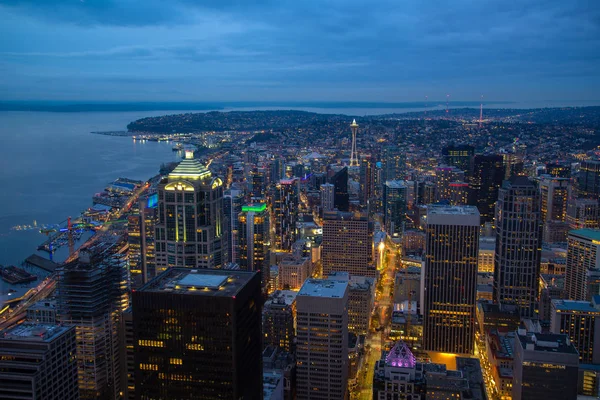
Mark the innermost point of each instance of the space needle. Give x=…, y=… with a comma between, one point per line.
x=354, y=153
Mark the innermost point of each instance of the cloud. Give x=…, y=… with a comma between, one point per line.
x=309, y=44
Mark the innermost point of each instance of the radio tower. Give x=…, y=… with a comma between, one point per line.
x=481, y=112
x=447, y=100
x=354, y=153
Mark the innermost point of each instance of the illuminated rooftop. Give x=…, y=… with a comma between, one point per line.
x=190, y=168
x=400, y=356
x=200, y=282
x=254, y=207
x=590, y=234
x=452, y=210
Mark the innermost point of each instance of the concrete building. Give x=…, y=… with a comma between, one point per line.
x=322, y=330
x=398, y=375
x=198, y=331
x=327, y=196
x=293, y=271
x=42, y=312
x=583, y=258
x=279, y=320
x=93, y=293
x=347, y=244
x=487, y=251
x=37, y=362
x=518, y=246
x=361, y=298
x=394, y=208
x=545, y=365
x=583, y=213
x=189, y=232
x=580, y=320
x=450, y=279
x=254, y=241
x=444, y=176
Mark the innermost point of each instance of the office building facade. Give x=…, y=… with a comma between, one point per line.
x=285, y=213
x=197, y=333
x=450, y=279
x=518, y=246
x=322, y=331
x=583, y=259
x=189, y=232
x=395, y=195
x=254, y=233
x=580, y=321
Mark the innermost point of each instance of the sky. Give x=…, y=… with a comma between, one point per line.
x=303, y=50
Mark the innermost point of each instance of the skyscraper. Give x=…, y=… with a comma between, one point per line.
x=279, y=320
x=580, y=320
x=392, y=164
x=583, y=213
x=450, y=279
x=38, y=362
x=518, y=246
x=394, y=206
x=189, y=232
x=583, y=258
x=347, y=244
x=545, y=367
x=554, y=194
x=341, y=198
x=588, y=179
x=444, y=176
x=140, y=235
x=367, y=179
x=285, y=213
x=460, y=156
x=327, y=196
x=232, y=206
x=197, y=335
x=487, y=177
x=254, y=240
x=559, y=169
x=93, y=292
x=322, y=330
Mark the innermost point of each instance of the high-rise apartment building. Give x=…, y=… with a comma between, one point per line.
x=559, y=169
x=347, y=244
x=254, y=240
x=545, y=367
x=322, y=331
x=588, y=179
x=341, y=197
x=189, y=232
x=460, y=156
x=279, y=320
x=285, y=213
x=140, y=235
x=197, y=334
x=395, y=195
x=37, y=362
x=327, y=196
x=518, y=246
x=367, y=179
x=583, y=213
x=232, y=207
x=450, y=278
x=93, y=293
x=554, y=195
x=580, y=320
x=583, y=258
x=444, y=176
x=393, y=162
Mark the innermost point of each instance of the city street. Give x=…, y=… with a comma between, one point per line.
x=376, y=338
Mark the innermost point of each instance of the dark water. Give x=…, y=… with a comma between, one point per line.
x=51, y=166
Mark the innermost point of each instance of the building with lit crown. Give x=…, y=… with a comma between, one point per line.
x=254, y=240
x=189, y=232
x=285, y=213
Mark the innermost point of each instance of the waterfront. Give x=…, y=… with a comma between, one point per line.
x=52, y=166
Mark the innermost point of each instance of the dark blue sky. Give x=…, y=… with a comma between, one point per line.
x=249, y=50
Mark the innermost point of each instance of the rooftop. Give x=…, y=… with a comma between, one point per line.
x=395, y=184
x=199, y=282
x=574, y=305
x=260, y=207
x=190, y=168
x=549, y=342
x=591, y=234
x=34, y=332
x=323, y=288
x=451, y=210
x=282, y=297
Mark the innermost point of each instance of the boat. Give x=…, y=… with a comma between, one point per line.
x=177, y=147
